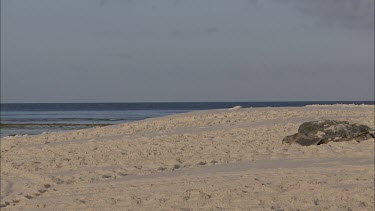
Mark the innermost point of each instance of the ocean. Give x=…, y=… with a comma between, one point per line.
x=35, y=118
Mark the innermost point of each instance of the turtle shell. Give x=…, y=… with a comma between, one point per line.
x=325, y=131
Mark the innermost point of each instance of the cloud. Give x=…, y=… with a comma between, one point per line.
x=103, y=3
x=354, y=14
x=194, y=32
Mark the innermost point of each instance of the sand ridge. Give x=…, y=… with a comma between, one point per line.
x=200, y=160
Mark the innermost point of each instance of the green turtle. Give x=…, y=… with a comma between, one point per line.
x=324, y=131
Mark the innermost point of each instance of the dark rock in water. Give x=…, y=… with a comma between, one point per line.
x=322, y=132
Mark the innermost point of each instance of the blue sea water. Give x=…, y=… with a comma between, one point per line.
x=24, y=118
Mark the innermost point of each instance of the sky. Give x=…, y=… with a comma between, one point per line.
x=66, y=51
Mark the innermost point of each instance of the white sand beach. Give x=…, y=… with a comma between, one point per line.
x=228, y=159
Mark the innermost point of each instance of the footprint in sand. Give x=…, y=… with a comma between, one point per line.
x=201, y=163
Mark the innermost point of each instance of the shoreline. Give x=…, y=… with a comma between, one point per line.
x=27, y=125
x=198, y=160
x=28, y=129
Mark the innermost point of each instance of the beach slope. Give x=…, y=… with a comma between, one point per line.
x=208, y=160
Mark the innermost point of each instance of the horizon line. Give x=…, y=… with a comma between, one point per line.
x=160, y=102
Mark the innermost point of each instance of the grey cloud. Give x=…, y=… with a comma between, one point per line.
x=212, y=30
x=213, y=50
x=194, y=32
x=357, y=14
x=103, y=3
x=176, y=3
x=354, y=14
x=254, y=3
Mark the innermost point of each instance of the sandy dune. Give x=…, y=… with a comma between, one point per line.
x=205, y=160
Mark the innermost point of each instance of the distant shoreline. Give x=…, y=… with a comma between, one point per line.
x=36, y=118
x=38, y=128
x=163, y=102
x=163, y=105
x=31, y=125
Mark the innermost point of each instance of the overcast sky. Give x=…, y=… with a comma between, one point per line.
x=186, y=50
